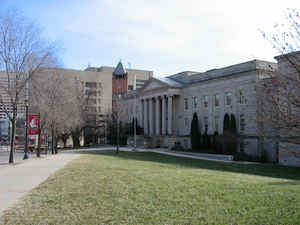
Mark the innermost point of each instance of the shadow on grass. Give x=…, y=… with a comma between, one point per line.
x=268, y=170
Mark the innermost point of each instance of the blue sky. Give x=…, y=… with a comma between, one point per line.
x=166, y=36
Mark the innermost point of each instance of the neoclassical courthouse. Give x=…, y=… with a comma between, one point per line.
x=165, y=106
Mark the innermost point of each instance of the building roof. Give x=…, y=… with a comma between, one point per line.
x=232, y=70
x=120, y=70
x=171, y=82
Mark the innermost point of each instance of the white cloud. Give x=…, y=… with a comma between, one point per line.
x=172, y=35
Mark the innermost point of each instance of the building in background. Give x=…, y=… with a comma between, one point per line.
x=100, y=85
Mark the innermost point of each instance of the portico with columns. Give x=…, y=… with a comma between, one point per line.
x=158, y=108
x=157, y=115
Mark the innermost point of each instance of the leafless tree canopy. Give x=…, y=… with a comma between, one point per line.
x=23, y=52
x=279, y=94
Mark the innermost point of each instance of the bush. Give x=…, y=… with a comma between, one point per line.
x=177, y=147
x=195, y=133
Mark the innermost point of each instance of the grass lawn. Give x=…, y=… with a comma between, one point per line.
x=150, y=188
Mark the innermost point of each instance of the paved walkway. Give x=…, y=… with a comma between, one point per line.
x=18, y=179
x=194, y=155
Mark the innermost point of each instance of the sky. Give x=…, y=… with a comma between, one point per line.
x=165, y=36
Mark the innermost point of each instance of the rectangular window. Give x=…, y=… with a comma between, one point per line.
x=242, y=97
x=206, y=124
x=130, y=87
x=186, y=103
x=195, y=101
x=186, y=122
x=242, y=122
x=242, y=146
x=217, y=123
x=91, y=93
x=205, y=99
x=228, y=98
x=92, y=101
x=217, y=100
x=91, y=109
x=91, y=84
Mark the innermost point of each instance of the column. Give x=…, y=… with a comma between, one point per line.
x=170, y=115
x=163, y=117
x=157, y=114
x=151, y=117
x=145, y=117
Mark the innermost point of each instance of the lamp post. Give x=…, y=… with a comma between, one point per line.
x=134, y=122
x=26, y=115
x=117, y=99
x=26, y=130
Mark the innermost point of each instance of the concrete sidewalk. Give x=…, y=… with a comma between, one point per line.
x=16, y=180
x=193, y=155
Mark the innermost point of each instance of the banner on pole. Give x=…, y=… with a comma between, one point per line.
x=33, y=122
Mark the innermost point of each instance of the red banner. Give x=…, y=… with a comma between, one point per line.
x=33, y=128
x=43, y=138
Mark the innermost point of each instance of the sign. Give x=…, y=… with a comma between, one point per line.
x=43, y=138
x=33, y=128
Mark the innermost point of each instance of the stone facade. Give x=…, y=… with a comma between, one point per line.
x=165, y=106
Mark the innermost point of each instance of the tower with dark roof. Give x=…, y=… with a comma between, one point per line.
x=119, y=82
x=120, y=71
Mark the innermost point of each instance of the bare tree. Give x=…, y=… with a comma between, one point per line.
x=56, y=99
x=22, y=53
x=279, y=92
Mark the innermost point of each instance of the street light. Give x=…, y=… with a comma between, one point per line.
x=26, y=130
x=134, y=122
x=117, y=98
x=26, y=115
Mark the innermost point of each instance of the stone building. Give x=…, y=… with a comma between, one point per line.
x=100, y=84
x=165, y=106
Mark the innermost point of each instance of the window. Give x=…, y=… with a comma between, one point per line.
x=186, y=103
x=228, y=98
x=217, y=100
x=195, y=101
x=91, y=84
x=205, y=98
x=91, y=93
x=186, y=122
x=92, y=101
x=130, y=87
x=242, y=97
x=99, y=109
x=217, y=123
x=242, y=122
x=242, y=146
x=91, y=109
x=206, y=124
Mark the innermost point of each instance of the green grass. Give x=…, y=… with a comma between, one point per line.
x=150, y=188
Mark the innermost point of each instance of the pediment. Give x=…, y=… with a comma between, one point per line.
x=154, y=84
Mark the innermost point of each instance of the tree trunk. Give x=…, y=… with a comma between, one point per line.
x=38, y=152
x=11, y=153
x=12, y=141
x=52, y=141
x=64, y=141
x=55, y=146
x=47, y=147
x=75, y=138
